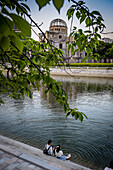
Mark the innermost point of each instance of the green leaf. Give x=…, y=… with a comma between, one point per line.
x=1, y=101
x=84, y=115
x=18, y=43
x=70, y=12
x=78, y=14
x=76, y=36
x=76, y=116
x=98, y=35
x=100, y=19
x=81, y=2
x=21, y=24
x=76, y=50
x=9, y=23
x=46, y=91
x=80, y=117
x=82, y=18
x=74, y=28
x=84, y=59
x=88, y=51
x=4, y=10
x=5, y=43
x=72, y=50
x=87, y=31
x=79, y=45
x=21, y=10
x=96, y=13
x=65, y=108
x=58, y=4
x=30, y=95
x=69, y=46
x=80, y=31
x=96, y=29
x=72, y=112
x=4, y=27
x=88, y=21
x=68, y=113
x=42, y=3
x=26, y=7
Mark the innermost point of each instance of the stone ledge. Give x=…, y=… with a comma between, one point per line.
x=82, y=73
x=35, y=156
x=38, y=162
x=9, y=150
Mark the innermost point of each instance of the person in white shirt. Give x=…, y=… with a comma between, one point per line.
x=110, y=166
x=49, y=148
x=59, y=154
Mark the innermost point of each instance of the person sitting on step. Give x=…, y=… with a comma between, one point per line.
x=59, y=154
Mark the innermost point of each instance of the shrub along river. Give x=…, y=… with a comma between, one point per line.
x=36, y=121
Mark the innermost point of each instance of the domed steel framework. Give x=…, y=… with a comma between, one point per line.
x=58, y=22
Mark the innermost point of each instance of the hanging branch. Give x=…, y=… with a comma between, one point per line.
x=23, y=84
x=38, y=68
x=38, y=26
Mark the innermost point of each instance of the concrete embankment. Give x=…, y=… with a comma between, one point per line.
x=17, y=155
x=83, y=72
x=80, y=72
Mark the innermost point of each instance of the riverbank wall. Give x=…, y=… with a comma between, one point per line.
x=14, y=154
x=82, y=72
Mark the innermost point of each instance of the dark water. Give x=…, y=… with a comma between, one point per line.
x=35, y=121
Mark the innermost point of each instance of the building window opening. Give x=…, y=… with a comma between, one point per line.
x=60, y=46
x=57, y=29
x=60, y=36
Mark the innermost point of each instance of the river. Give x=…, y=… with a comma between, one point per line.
x=36, y=121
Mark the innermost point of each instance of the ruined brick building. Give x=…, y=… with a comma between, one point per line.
x=57, y=36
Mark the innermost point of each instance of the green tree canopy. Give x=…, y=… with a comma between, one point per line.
x=104, y=49
x=27, y=62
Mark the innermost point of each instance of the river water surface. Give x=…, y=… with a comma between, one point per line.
x=36, y=121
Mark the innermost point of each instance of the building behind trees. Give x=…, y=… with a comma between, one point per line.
x=57, y=36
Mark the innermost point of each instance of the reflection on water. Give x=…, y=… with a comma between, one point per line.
x=35, y=121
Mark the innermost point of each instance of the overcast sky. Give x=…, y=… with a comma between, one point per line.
x=48, y=13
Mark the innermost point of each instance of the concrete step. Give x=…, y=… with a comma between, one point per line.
x=35, y=156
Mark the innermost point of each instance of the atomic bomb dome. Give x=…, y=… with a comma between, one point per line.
x=58, y=25
x=58, y=22
x=57, y=36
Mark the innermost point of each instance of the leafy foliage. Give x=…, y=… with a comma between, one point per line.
x=57, y=4
x=26, y=64
x=31, y=69
x=7, y=22
x=89, y=39
x=105, y=50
